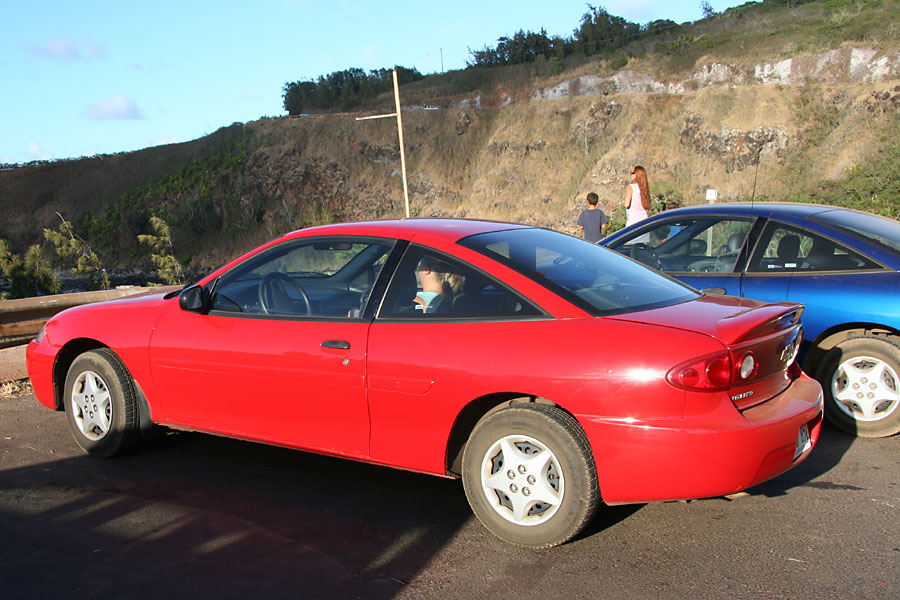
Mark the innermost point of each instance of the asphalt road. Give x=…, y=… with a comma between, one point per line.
x=196, y=516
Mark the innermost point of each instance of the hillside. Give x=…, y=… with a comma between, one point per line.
x=765, y=102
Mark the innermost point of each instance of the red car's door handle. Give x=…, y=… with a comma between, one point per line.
x=340, y=344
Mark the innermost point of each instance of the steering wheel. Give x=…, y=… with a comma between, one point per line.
x=725, y=260
x=704, y=265
x=274, y=297
x=643, y=253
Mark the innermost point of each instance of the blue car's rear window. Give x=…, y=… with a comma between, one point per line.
x=878, y=230
x=600, y=281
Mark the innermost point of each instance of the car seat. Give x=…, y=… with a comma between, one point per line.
x=728, y=253
x=469, y=301
x=789, y=247
x=788, y=251
x=821, y=256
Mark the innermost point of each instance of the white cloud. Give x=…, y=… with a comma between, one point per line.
x=66, y=49
x=644, y=11
x=35, y=152
x=119, y=106
x=168, y=139
x=370, y=53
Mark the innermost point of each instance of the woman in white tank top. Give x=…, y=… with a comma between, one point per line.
x=637, y=197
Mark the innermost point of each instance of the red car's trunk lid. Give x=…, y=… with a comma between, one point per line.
x=729, y=319
x=768, y=332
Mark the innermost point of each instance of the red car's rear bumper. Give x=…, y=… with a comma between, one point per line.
x=713, y=454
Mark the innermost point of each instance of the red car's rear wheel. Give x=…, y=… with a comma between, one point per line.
x=529, y=475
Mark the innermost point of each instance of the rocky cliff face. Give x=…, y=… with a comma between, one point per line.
x=842, y=65
x=765, y=129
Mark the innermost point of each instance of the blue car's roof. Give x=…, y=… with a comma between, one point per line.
x=783, y=209
x=829, y=220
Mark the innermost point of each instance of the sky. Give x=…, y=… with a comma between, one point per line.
x=100, y=77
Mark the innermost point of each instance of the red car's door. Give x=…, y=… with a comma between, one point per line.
x=279, y=353
x=293, y=382
x=423, y=365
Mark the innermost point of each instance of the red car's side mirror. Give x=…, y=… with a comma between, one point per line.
x=193, y=298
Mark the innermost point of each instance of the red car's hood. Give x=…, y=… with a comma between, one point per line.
x=110, y=320
x=140, y=301
x=727, y=318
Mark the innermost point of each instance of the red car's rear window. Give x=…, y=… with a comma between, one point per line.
x=600, y=281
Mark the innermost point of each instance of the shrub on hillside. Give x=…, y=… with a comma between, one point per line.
x=27, y=276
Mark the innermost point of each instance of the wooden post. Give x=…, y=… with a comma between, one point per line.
x=399, y=135
x=402, y=149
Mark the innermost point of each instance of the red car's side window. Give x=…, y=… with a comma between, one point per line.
x=429, y=285
x=330, y=279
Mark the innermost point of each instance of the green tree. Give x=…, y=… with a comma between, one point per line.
x=72, y=248
x=28, y=276
x=602, y=32
x=342, y=90
x=168, y=267
x=659, y=27
x=522, y=47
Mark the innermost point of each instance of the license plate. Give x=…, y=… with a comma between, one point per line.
x=803, y=442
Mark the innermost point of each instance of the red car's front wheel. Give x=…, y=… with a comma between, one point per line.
x=101, y=404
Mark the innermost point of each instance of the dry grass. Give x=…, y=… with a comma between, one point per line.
x=15, y=387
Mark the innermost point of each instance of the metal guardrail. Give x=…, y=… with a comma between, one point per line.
x=21, y=320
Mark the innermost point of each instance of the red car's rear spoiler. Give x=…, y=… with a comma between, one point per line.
x=759, y=321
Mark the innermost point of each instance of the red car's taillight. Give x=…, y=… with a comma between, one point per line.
x=715, y=372
x=747, y=367
x=708, y=373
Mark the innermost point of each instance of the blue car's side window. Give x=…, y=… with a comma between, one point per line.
x=707, y=244
x=783, y=248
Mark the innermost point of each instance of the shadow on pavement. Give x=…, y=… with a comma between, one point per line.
x=203, y=517
x=199, y=516
x=833, y=444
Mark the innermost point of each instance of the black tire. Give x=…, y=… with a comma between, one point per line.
x=549, y=440
x=861, y=381
x=101, y=404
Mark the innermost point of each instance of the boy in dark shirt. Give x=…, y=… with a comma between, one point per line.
x=592, y=221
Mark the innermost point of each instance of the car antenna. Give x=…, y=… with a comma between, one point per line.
x=756, y=175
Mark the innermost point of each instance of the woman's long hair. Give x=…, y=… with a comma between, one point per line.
x=451, y=282
x=640, y=176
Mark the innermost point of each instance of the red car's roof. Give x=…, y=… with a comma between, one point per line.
x=448, y=230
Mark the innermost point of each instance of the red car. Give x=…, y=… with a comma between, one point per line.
x=549, y=374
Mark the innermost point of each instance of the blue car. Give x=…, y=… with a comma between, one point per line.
x=842, y=264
